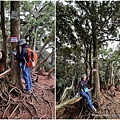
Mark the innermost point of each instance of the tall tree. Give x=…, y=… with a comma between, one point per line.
x=4, y=35
x=15, y=32
x=95, y=54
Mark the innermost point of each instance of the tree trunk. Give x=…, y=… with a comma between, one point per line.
x=15, y=32
x=34, y=44
x=33, y=37
x=52, y=57
x=86, y=62
x=106, y=76
x=95, y=56
x=90, y=66
x=4, y=35
x=111, y=74
x=95, y=67
x=30, y=41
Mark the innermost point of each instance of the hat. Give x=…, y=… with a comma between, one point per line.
x=22, y=42
x=84, y=75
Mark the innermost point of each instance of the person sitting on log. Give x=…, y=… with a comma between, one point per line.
x=84, y=91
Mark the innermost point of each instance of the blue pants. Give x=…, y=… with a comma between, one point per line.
x=87, y=96
x=27, y=77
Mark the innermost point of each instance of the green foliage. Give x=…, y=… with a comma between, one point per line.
x=107, y=58
x=44, y=21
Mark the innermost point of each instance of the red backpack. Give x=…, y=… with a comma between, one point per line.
x=32, y=58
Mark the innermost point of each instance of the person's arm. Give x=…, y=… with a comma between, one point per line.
x=81, y=85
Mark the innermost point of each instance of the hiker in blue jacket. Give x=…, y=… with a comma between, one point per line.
x=23, y=58
x=84, y=91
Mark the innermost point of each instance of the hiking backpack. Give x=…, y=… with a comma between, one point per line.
x=32, y=58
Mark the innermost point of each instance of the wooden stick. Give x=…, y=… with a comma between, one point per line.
x=4, y=73
x=71, y=101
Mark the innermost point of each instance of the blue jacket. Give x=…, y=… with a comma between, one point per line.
x=23, y=57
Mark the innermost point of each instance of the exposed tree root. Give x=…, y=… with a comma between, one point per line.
x=33, y=107
x=14, y=110
x=5, y=111
x=48, y=102
x=18, y=103
x=14, y=104
x=36, y=98
x=28, y=110
x=35, y=77
x=43, y=116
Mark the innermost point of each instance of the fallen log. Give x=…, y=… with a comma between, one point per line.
x=5, y=73
x=71, y=101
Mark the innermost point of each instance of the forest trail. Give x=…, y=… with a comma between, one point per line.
x=38, y=105
x=110, y=108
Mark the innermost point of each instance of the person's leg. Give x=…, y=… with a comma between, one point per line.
x=90, y=98
x=26, y=77
x=88, y=93
x=30, y=79
x=92, y=106
x=87, y=98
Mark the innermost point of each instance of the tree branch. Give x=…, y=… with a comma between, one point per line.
x=108, y=40
x=47, y=41
x=39, y=63
x=41, y=7
x=4, y=73
x=67, y=88
x=80, y=5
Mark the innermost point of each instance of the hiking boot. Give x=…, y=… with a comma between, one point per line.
x=31, y=91
x=94, y=109
x=26, y=92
